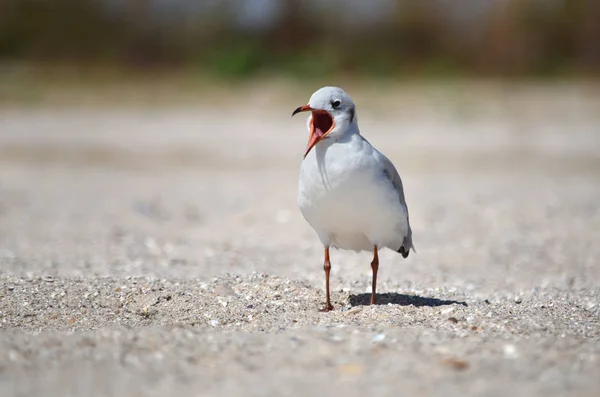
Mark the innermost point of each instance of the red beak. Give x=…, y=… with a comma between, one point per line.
x=321, y=124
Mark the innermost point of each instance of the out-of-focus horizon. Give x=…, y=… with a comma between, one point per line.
x=299, y=39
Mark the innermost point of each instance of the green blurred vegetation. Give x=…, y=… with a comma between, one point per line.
x=515, y=38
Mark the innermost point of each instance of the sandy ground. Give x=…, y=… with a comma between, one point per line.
x=152, y=250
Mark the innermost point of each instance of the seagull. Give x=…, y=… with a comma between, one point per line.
x=349, y=193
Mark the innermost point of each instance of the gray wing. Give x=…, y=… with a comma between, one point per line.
x=392, y=175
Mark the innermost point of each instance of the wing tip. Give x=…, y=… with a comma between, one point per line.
x=406, y=246
x=404, y=252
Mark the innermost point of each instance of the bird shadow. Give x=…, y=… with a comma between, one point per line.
x=402, y=300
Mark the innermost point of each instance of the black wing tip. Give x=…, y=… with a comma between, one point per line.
x=404, y=252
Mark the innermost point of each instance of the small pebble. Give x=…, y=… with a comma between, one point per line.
x=354, y=310
x=510, y=351
x=447, y=310
x=378, y=338
x=224, y=290
x=459, y=365
x=337, y=338
x=13, y=355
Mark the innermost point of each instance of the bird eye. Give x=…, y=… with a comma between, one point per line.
x=336, y=104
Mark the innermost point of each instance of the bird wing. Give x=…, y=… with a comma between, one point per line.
x=392, y=175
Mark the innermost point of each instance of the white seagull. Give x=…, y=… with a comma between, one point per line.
x=349, y=192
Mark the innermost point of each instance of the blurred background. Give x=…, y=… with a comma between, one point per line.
x=154, y=137
x=242, y=38
x=302, y=38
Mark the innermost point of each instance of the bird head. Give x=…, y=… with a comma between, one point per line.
x=333, y=113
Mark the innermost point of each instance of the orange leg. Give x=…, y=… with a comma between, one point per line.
x=375, y=267
x=327, y=268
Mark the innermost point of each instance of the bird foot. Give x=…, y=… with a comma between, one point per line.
x=326, y=309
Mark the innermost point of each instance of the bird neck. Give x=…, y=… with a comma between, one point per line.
x=347, y=133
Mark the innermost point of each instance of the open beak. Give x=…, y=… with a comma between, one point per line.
x=321, y=124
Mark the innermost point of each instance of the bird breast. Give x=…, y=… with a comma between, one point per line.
x=344, y=194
